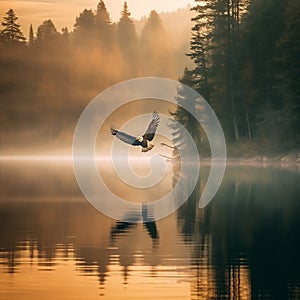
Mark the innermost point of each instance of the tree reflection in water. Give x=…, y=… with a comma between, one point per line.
x=245, y=241
x=243, y=245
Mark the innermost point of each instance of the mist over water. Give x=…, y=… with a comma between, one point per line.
x=53, y=243
x=244, y=244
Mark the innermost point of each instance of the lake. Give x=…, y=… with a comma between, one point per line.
x=243, y=245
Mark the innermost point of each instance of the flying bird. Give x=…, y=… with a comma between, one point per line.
x=143, y=141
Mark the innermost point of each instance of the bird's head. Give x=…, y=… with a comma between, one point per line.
x=140, y=138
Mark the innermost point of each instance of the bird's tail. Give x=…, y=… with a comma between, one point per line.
x=148, y=148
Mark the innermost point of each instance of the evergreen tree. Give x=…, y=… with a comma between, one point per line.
x=214, y=49
x=199, y=77
x=289, y=58
x=200, y=46
x=85, y=22
x=11, y=31
x=128, y=40
x=288, y=75
x=49, y=51
x=262, y=26
x=104, y=29
x=47, y=31
x=225, y=66
x=290, y=47
x=102, y=17
x=84, y=28
x=155, y=45
x=31, y=36
x=183, y=117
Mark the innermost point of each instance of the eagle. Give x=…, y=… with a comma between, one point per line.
x=143, y=141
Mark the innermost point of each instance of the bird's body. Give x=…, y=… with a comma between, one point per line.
x=143, y=141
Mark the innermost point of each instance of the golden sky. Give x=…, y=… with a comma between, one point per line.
x=64, y=12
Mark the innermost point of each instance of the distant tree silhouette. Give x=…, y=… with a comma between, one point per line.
x=11, y=31
x=13, y=63
x=84, y=27
x=104, y=29
x=65, y=31
x=128, y=40
x=102, y=17
x=31, y=36
x=245, y=62
x=156, y=57
x=46, y=31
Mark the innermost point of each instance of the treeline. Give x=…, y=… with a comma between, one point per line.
x=46, y=82
x=247, y=65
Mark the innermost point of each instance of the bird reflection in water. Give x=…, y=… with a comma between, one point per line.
x=125, y=226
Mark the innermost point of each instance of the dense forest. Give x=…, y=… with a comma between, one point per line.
x=47, y=80
x=246, y=56
x=244, y=59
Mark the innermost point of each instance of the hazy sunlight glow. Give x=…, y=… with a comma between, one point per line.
x=63, y=158
x=63, y=13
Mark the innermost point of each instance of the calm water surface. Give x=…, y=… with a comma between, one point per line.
x=244, y=245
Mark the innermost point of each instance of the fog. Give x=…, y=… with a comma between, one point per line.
x=46, y=83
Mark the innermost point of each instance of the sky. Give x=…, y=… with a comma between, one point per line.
x=64, y=12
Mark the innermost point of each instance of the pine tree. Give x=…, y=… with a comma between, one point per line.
x=31, y=36
x=198, y=77
x=102, y=17
x=224, y=55
x=11, y=31
x=214, y=51
x=183, y=117
x=104, y=29
x=289, y=58
x=125, y=13
x=262, y=27
x=288, y=75
x=47, y=31
x=84, y=28
x=155, y=45
x=128, y=40
x=200, y=46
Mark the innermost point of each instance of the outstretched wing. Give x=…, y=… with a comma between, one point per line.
x=150, y=132
x=124, y=137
